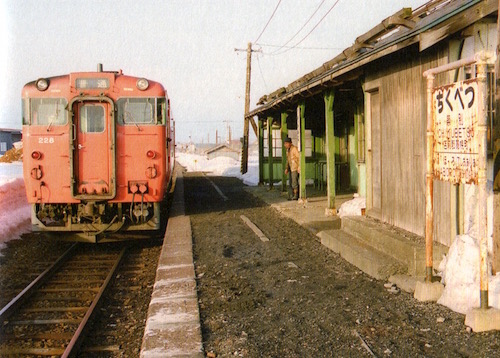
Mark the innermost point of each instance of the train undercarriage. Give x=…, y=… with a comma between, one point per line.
x=94, y=221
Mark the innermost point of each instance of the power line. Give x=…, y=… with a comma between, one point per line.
x=314, y=28
x=261, y=74
x=268, y=21
x=299, y=47
x=310, y=17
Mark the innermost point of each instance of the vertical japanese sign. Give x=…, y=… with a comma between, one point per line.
x=456, y=146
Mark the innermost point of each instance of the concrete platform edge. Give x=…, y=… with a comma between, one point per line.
x=173, y=326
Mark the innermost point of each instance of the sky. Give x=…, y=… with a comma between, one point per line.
x=187, y=45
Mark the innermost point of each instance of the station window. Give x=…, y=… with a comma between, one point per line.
x=276, y=143
x=48, y=111
x=92, y=119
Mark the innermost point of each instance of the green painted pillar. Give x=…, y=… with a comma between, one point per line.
x=284, y=134
x=270, y=158
x=330, y=148
x=301, y=121
x=261, y=152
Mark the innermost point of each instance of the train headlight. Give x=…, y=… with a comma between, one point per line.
x=36, y=155
x=142, y=84
x=42, y=84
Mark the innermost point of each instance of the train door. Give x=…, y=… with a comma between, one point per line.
x=94, y=150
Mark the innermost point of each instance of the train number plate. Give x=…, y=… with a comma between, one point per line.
x=45, y=140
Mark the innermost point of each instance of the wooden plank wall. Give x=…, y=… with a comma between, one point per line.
x=403, y=132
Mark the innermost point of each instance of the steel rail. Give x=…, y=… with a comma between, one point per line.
x=77, y=338
x=21, y=297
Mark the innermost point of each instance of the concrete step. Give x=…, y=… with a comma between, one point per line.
x=363, y=256
x=394, y=242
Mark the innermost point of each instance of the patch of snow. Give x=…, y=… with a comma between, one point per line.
x=15, y=211
x=10, y=171
x=460, y=268
x=352, y=207
x=221, y=166
x=15, y=214
x=461, y=275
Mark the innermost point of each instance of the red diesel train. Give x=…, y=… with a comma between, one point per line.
x=98, y=154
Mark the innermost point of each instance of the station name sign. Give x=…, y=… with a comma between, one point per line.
x=456, y=146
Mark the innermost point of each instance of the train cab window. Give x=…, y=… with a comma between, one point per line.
x=26, y=111
x=48, y=111
x=134, y=111
x=92, y=119
x=161, y=110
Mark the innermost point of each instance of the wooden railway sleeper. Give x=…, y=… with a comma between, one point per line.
x=79, y=332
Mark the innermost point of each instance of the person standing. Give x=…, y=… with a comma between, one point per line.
x=293, y=167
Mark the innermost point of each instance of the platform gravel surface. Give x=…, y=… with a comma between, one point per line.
x=292, y=297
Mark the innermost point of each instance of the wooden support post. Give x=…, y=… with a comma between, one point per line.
x=254, y=127
x=244, y=147
x=330, y=148
x=429, y=199
x=482, y=181
x=270, y=158
x=495, y=260
x=284, y=135
x=301, y=121
x=261, y=152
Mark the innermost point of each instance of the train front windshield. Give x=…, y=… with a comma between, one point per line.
x=45, y=111
x=134, y=111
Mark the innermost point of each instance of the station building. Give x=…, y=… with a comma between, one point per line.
x=360, y=118
x=7, y=138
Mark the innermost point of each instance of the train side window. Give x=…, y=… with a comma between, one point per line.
x=49, y=111
x=133, y=111
x=92, y=119
x=26, y=112
x=160, y=111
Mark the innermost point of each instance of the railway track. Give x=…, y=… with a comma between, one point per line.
x=51, y=315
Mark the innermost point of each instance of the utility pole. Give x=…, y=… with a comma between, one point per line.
x=244, y=150
x=228, y=131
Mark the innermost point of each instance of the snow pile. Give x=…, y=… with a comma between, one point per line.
x=460, y=273
x=15, y=213
x=352, y=207
x=9, y=171
x=460, y=268
x=221, y=166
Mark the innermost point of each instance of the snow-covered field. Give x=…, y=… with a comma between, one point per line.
x=460, y=269
x=222, y=166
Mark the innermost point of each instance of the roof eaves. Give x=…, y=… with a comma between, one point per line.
x=341, y=62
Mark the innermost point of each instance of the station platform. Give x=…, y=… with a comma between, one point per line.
x=173, y=322
x=378, y=249
x=382, y=251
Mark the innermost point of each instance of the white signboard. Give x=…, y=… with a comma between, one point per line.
x=455, y=132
